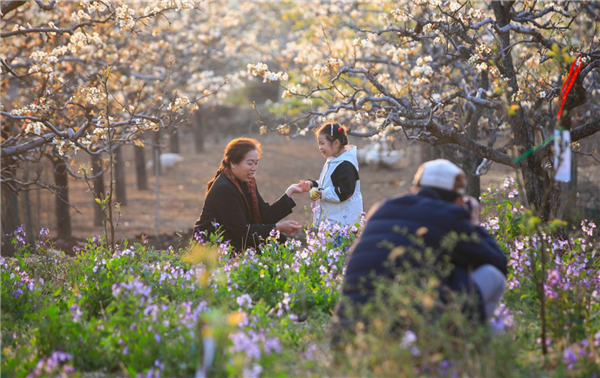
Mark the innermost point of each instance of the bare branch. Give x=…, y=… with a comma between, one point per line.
x=56, y=30
x=10, y=6
x=46, y=6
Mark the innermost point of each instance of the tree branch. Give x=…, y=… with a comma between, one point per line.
x=11, y=6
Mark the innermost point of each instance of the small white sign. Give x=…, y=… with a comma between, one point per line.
x=562, y=155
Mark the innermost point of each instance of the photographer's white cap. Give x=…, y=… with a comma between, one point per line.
x=439, y=173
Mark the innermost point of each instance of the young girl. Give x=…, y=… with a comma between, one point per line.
x=338, y=190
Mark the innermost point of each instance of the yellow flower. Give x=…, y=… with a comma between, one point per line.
x=235, y=318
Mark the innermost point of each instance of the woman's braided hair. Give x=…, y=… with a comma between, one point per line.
x=234, y=153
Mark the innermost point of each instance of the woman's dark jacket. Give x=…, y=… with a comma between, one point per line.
x=387, y=227
x=232, y=210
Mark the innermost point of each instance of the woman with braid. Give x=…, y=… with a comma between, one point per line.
x=234, y=203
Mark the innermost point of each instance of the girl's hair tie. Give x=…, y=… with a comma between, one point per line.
x=340, y=130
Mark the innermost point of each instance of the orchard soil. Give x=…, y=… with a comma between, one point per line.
x=284, y=161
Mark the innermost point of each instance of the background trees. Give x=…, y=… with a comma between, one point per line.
x=72, y=85
x=482, y=78
x=478, y=81
x=95, y=76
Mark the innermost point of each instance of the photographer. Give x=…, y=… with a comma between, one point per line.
x=437, y=210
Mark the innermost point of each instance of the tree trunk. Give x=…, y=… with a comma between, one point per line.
x=157, y=152
x=536, y=179
x=473, y=181
x=26, y=207
x=140, y=168
x=474, y=160
x=99, y=191
x=10, y=215
x=174, y=141
x=120, y=184
x=570, y=212
x=429, y=152
x=63, y=216
x=198, y=128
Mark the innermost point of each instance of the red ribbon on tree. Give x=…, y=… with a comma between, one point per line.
x=573, y=72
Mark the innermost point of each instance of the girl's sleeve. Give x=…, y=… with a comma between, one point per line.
x=314, y=183
x=344, y=179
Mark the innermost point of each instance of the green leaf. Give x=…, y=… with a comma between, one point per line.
x=132, y=371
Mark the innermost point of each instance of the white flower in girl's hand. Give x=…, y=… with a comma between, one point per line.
x=314, y=193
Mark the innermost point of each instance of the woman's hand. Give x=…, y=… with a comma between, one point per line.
x=300, y=187
x=288, y=226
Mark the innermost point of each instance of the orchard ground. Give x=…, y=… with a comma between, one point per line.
x=284, y=161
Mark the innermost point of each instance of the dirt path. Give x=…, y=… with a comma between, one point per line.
x=284, y=161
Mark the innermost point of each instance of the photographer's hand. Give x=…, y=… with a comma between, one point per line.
x=472, y=205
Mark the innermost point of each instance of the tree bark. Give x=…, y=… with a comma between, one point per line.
x=99, y=191
x=157, y=152
x=198, y=127
x=569, y=210
x=473, y=181
x=10, y=6
x=429, y=152
x=120, y=184
x=63, y=216
x=140, y=168
x=174, y=141
x=536, y=179
x=26, y=207
x=473, y=160
x=10, y=216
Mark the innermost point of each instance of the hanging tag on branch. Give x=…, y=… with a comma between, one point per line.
x=566, y=88
x=562, y=155
x=559, y=136
x=562, y=137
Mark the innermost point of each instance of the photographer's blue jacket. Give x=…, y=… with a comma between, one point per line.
x=389, y=225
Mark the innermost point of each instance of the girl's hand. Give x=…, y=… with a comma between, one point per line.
x=315, y=194
x=288, y=226
x=305, y=185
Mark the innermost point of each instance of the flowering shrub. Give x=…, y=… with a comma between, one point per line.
x=202, y=310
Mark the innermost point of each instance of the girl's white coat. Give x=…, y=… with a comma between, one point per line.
x=329, y=207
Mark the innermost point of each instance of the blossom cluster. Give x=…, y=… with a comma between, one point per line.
x=177, y=5
x=262, y=70
x=124, y=18
x=35, y=128
x=481, y=55
x=41, y=105
x=64, y=147
x=178, y=104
